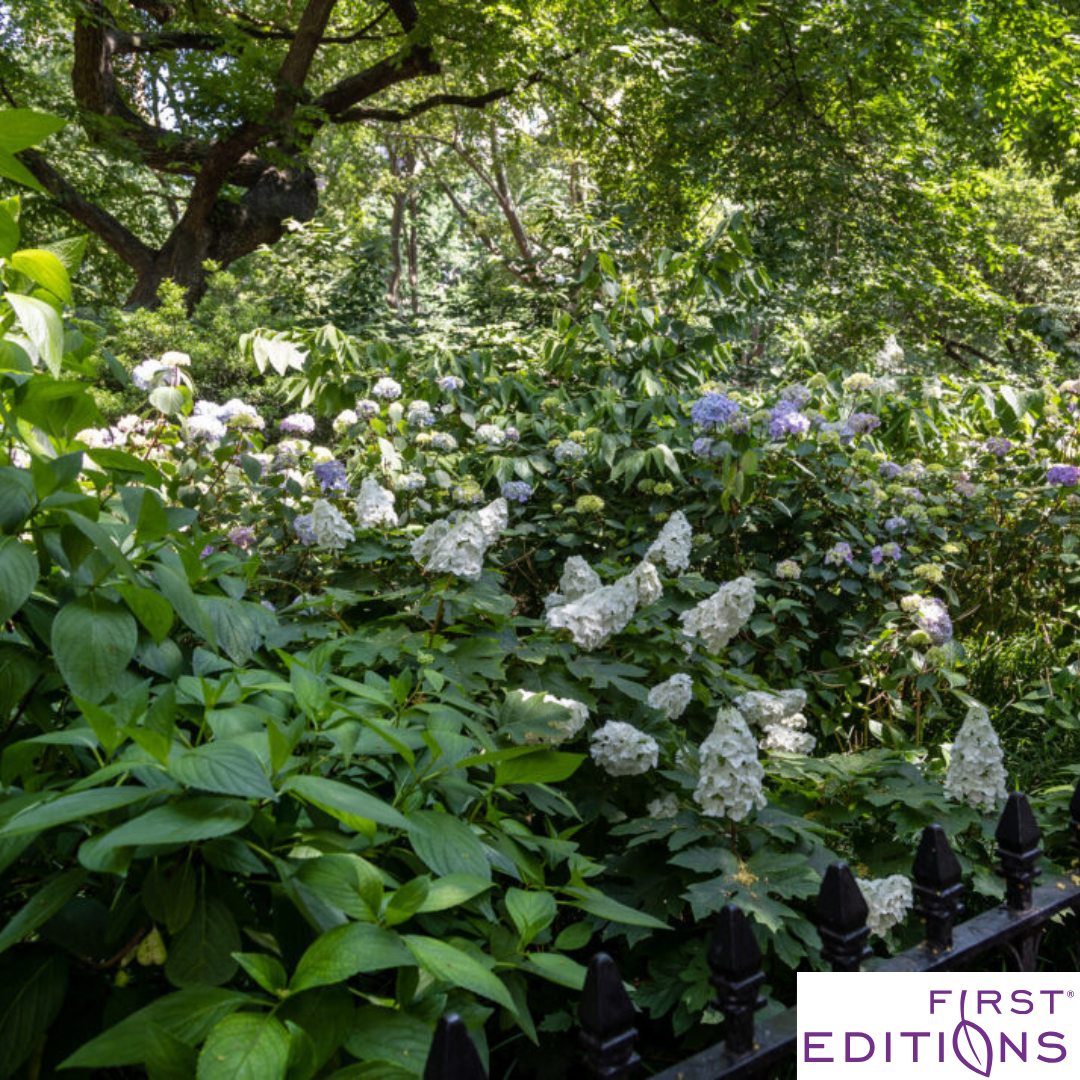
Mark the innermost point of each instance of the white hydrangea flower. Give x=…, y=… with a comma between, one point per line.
x=375, y=505
x=579, y=716
x=240, y=414
x=387, y=389
x=620, y=749
x=976, y=770
x=578, y=578
x=667, y=807
x=459, y=549
x=891, y=355
x=320, y=455
x=175, y=359
x=331, y=531
x=345, y=420
x=672, y=547
x=205, y=427
x=20, y=459
x=889, y=900
x=730, y=781
x=779, y=715
x=673, y=696
x=718, y=618
x=595, y=616
x=490, y=434
x=789, y=737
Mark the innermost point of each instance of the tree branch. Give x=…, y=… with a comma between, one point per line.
x=404, y=65
x=397, y=116
x=297, y=63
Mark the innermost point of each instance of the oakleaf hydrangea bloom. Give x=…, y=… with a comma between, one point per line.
x=889, y=470
x=662, y=809
x=298, y=424
x=997, y=446
x=566, y=729
x=730, y=780
x=242, y=537
x=932, y=617
x=621, y=750
x=412, y=481
x=862, y=423
x=459, y=548
x=385, y=389
x=976, y=772
x=375, y=505
x=788, y=570
x=490, y=435
x=714, y=411
x=302, y=527
x=718, y=618
x=672, y=696
x=331, y=476
x=888, y=899
x=672, y=546
x=449, y=383
x=444, y=441
x=785, y=419
x=839, y=554
x=569, y=452
x=595, y=616
x=779, y=715
x=1063, y=475
x=419, y=414
x=366, y=408
x=345, y=420
x=331, y=531
x=578, y=578
x=517, y=491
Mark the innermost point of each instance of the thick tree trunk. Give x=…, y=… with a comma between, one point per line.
x=393, y=286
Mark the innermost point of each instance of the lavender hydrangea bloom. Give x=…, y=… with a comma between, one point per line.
x=512, y=435
x=302, y=527
x=933, y=619
x=997, y=446
x=714, y=411
x=298, y=423
x=877, y=555
x=242, y=537
x=207, y=551
x=894, y=523
x=449, y=383
x=442, y=440
x=331, y=476
x=1064, y=475
x=889, y=470
x=365, y=407
x=517, y=491
x=842, y=428
x=702, y=447
x=740, y=425
x=567, y=452
x=797, y=394
x=387, y=389
x=785, y=419
x=862, y=423
x=839, y=553
x=891, y=550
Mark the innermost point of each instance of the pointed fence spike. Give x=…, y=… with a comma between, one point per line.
x=841, y=918
x=937, y=888
x=606, y=1014
x=735, y=961
x=453, y=1054
x=1018, y=837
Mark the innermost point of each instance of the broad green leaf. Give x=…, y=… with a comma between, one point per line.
x=42, y=906
x=167, y=1058
x=245, y=1046
x=266, y=970
x=93, y=641
x=31, y=994
x=77, y=807
x=558, y=969
x=9, y=234
x=182, y=821
x=150, y=608
x=14, y=169
x=169, y=892
x=603, y=907
x=17, y=498
x=44, y=268
x=530, y=912
x=22, y=128
x=390, y=1035
x=224, y=767
x=452, y=890
x=201, y=954
x=348, y=804
x=43, y=326
x=458, y=968
x=188, y=1015
x=541, y=767
x=347, y=882
x=168, y=399
x=18, y=576
x=346, y=951
x=447, y=845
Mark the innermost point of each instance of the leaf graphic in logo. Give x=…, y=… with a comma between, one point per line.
x=971, y=1044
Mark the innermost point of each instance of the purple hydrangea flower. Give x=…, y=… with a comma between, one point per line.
x=517, y=491
x=449, y=383
x=714, y=411
x=702, y=447
x=877, y=555
x=243, y=537
x=997, y=446
x=891, y=550
x=839, y=553
x=932, y=617
x=841, y=427
x=302, y=527
x=512, y=434
x=365, y=407
x=298, y=423
x=785, y=419
x=207, y=551
x=740, y=425
x=862, y=423
x=894, y=523
x=889, y=470
x=1064, y=475
x=797, y=394
x=331, y=476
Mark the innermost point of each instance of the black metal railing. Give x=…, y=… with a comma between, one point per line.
x=608, y=1034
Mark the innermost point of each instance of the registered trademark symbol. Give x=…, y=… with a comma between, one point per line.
x=1070, y=993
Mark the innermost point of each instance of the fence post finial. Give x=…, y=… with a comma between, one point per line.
x=841, y=918
x=937, y=888
x=1018, y=838
x=453, y=1055
x=735, y=963
x=607, y=1014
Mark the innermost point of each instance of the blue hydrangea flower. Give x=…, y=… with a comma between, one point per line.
x=740, y=425
x=894, y=523
x=714, y=411
x=1065, y=475
x=302, y=527
x=444, y=441
x=889, y=470
x=449, y=383
x=997, y=446
x=512, y=434
x=568, y=452
x=839, y=553
x=862, y=423
x=331, y=476
x=797, y=394
x=243, y=537
x=517, y=491
x=932, y=617
x=207, y=551
x=785, y=419
x=877, y=555
x=298, y=423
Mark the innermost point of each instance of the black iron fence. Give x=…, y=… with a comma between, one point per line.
x=607, y=1019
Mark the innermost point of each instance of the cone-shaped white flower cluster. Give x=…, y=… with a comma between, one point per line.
x=594, y=616
x=730, y=783
x=567, y=729
x=330, y=529
x=578, y=578
x=375, y=505
x=621, y=750
x=667, y=807
x=459, y=549
x=779, y=716
x=672, y=696
x=672, y=546
x=718, y=618
x=976, y=771
x=889, y=900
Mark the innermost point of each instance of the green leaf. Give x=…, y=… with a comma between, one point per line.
x=17, y=497
x=77, y=807
x=458, y=968
x=447, y=845
x=348, y=950
x=390, y=1035
x=22, y=128
x=181, y=822
x=188, y=1015
x=201, y=954
x=167, y=1058
x=9, y=234
x=44, y=268
x=169, y=891
x=245, y=1046
x=31, y=994
x=224, y=767
x=558, y=969
x=530, y=912
x=41, y=907
x=540, y=767
x=266, y=970
x=18, y=576
x=168, y=399
x=42, y=326
x=14, y=169
x=452, y=890
x=346, y=882
x=150, y=608
x=349, y=805
x=93, y=641
x=603, y=907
